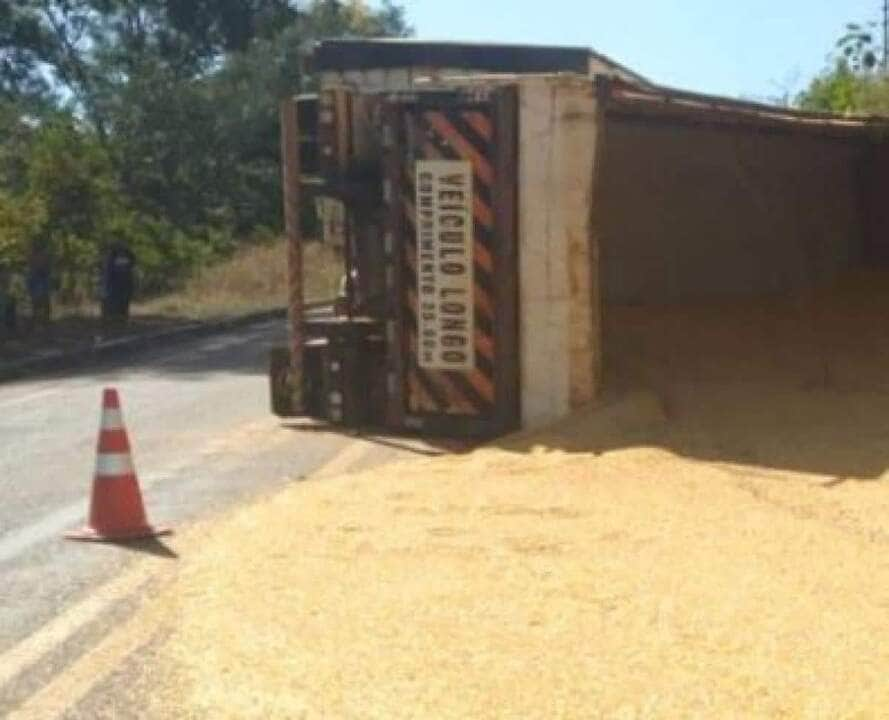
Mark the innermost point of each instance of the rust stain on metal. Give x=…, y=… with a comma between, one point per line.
x=290, y=171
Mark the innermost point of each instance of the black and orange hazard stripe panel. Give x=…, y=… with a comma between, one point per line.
x=444, y=132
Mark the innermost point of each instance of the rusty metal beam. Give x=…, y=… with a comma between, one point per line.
x=290, y=167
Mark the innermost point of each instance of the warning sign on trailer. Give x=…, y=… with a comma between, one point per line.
x=445, y=265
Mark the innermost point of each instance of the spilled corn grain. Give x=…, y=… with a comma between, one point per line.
x=635, y=578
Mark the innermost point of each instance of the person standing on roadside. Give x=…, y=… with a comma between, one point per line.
x=39, y=282
x=118, y=282
x=8, y=314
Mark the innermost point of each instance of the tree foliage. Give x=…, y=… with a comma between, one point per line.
x=24, y=44
x=856, y=82
x=858, y=47
x=834, y=91
x=154, y=121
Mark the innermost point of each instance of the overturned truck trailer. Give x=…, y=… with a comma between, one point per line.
x=500, y=210
x=418, y=179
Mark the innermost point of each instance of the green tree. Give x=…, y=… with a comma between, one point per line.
x=71, y=179
x=855, y=83
x=160, y=125
x=834, y=91
x=25, y=44
x=20, y=222
x=858, y=46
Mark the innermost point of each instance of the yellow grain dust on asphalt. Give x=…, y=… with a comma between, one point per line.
x=538, y=579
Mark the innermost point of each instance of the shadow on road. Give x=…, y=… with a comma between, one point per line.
x=414, y=445
x=150, y=546
x=237, y=353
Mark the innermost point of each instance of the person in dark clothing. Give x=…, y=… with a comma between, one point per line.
x=118, y=282
x=39, y=281
x=8, y=310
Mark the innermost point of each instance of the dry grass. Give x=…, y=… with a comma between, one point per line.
x=539, y=580
x=255, y=279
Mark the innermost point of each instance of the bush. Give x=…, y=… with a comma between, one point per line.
x=73, y=203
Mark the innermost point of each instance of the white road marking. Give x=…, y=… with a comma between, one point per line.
x=70, y=687
x=223, y=344
x=73, y=684
x=23, y=539
x=57, y=631
x=14, y=544
x=30, y=397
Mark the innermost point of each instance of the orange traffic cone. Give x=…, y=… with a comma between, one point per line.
x=116, y=509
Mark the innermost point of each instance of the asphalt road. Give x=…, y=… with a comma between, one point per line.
x=203, y=440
